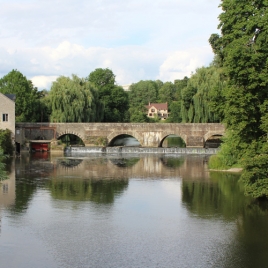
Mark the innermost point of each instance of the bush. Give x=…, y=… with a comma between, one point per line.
x=217, y=162
x=6, y=142
x=3, y=174
x=255, y=174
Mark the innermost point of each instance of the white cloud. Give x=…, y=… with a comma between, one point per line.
x=182, y=63
x=137, y=39
x=43, y=82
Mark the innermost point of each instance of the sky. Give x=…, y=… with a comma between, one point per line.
x=136, y=39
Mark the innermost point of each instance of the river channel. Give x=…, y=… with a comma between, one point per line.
x=124, y=210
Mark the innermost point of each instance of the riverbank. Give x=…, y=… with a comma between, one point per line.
x=235, y=170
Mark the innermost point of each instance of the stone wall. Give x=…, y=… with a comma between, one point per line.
x=149, y=134
x=7, y=106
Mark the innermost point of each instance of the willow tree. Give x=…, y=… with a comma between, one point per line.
x=74, y=100
x=202, y=100
x=243, y=50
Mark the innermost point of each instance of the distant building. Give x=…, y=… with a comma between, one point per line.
x=159, y=110
x=7, y=112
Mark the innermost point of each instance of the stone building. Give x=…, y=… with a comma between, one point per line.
x=7, y=112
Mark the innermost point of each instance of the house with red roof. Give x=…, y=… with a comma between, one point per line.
x=159, y=110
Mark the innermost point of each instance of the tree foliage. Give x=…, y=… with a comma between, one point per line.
x=27, y=96
x=143, y=92
x=113, y=98
x=166, y=93
x=3, y=174
x=5, y=142
x=201, y=99
x=243, y=50
x=74, y=100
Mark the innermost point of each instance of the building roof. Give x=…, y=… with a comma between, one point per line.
x=11, y=96
x=158, y=106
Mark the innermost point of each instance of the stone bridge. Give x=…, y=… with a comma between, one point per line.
x=103, y=134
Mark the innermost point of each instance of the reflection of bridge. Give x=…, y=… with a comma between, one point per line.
x=141, y=167
x=148, y=135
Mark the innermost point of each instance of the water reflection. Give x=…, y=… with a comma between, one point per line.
x=222, y=195
x=146, y=211
x=75, y=189
x=172, y=162
x=125, y=162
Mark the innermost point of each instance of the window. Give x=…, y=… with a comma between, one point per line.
x=152, y=110
x=5, y=117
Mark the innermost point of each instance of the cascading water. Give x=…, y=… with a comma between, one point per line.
x=139, y=150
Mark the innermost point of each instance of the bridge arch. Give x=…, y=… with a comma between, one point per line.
x=59, y=134
x=212, y=133
x=135, y=135
x=166, y=134
x=70, y=133
x=213, y=141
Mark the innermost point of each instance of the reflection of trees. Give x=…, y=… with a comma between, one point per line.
x=69, y=163
x=29, y=176
x=222, y=196
x=173, y=141
x=172, y=162
x=75, y=189
x=125, y=162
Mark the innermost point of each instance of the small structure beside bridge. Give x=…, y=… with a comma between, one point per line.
x=103, y=134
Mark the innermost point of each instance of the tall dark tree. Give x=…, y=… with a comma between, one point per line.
x=113, y=98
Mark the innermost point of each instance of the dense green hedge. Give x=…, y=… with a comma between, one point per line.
x=6, y=142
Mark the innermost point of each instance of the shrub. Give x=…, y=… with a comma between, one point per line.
x=6, y=142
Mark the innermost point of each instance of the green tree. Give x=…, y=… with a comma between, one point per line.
x=6, y=142
x=243, y=48
x=138, y=115
x=113, y=98
x=103, y=79
x=27, y=96
x=3, y=174
x=175, y=112
x=115, y=105
x=143, y=92
x=166, y=93
x=45, y=106
x=202, y=99
x=74, y=100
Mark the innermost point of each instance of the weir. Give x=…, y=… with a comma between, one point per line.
x=139, y=150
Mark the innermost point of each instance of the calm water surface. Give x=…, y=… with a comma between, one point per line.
x=127, y=211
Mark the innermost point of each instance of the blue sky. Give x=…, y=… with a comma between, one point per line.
x=136, y=39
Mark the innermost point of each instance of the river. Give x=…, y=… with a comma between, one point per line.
x=123, y=210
